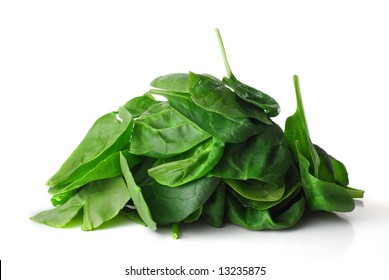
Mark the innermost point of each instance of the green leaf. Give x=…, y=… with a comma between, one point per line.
x=107, y=168
x=321, y=195
x=188, y=166
x=340, y=172
x=194, y=216
x=257, y=190
x=173, y=205
x=227, y=129
x=253, y=96
x=254, y=219
x=296, y=130
x=264, y=157
x=253, y=111
x=178, y=82
x=164, y=134
x=245, y=92
x=136, y=195
x=213, y=208
x=106, y=136
x=212, y=95
x=326, y=169
x=140, y=104
x=100, y=200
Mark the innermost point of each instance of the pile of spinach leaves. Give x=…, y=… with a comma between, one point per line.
x=208, y=149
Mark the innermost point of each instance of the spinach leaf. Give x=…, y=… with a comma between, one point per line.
x=140, y=104
x=296, y=130
x=253, y=111
x=214, y=207
x=321, y=195
x=326, y=169
x=178, y=82
x=316, y=167
x=257, y=190
x=264, y=157
x=107, y=135
x=246, y=93
x=173, y=205
x=100, y=200
x=194, y=216
x=188, y=166
x=253, y=96
x=227, y=129
x=136, y=195
x=211, y=94
x=254, y=219
x=164, y=134
x=107, y=168
x=340, y=172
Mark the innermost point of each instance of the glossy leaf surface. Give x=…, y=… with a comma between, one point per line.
x=211, y=94
x=172, y=205
x=227, y=129
x=107, y=135
x=164, y=134
x=188, y=166
x=264, y=157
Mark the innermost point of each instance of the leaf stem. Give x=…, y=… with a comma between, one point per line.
x=223, y=51
x=300, y=107
x=175, y=230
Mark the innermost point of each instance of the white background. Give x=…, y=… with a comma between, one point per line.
x=65, y=63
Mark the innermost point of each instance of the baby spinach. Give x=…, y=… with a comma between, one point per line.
x=254, y=219
x=136, y=195
x=140, y=104
x=317, y=173
x=178, y=82
x=172, y=205
x=107, y=168
x=100, y=201
x=214, y=207
x=107, y=135
x=247, y=93
x=228, y=129
x=188, y=166
x=264, y=157
x=207, y=149
x=211, y=94
x=164, y=134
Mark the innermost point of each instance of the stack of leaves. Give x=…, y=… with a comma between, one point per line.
x=206, y=149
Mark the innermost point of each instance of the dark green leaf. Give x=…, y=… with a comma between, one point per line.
x=194, y=216
x=254, y=219
x=188, y=166
x=257, y=190
x=321, y=195
x=173, y=205
x=213, y=208
x=253, y=111
x=296, y=130
x=245, y=92
x=253, y=96
x=227, y=129
x=264, y=157
x=212, y=95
